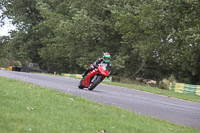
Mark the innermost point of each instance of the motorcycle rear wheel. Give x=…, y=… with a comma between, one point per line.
x=95, y=83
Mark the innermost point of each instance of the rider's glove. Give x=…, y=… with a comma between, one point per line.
x=92, y=67
x=95, y=66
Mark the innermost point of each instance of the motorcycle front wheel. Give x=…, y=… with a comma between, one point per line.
x=95, y=83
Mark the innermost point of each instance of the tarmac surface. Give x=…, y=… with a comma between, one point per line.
x=174, y=110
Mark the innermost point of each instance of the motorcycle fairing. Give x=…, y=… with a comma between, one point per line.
x=100, y=70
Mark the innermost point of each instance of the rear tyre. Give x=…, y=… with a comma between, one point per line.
x=80, y=85
x=95, y=83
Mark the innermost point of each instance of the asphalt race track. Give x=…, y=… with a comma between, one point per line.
x=170, y=109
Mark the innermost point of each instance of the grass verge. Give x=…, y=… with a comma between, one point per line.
x=27, y=108
x=169, y=93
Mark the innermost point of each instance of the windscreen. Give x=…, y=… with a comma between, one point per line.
x=104, y=66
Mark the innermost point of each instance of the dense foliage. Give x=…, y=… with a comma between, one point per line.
x=147, y=39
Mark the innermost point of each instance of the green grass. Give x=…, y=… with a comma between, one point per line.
x=189, y=97
x=26, y=108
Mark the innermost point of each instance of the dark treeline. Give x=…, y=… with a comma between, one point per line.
x=149, y=39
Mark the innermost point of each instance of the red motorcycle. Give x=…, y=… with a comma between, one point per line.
x=94, y=77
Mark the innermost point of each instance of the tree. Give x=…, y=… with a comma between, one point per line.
x=4, y=53
x=147, y=39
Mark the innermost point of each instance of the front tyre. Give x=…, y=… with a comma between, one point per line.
x=95, y=83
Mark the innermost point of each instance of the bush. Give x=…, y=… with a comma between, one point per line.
x=17, y=64
x=164, y=84
x=115, y=78
x=4, y=63
x=172, y=79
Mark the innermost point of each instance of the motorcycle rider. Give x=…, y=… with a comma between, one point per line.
x=105, y=59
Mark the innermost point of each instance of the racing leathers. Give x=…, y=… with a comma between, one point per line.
x=95, y=65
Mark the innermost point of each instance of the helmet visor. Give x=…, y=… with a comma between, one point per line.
x=107, y=59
